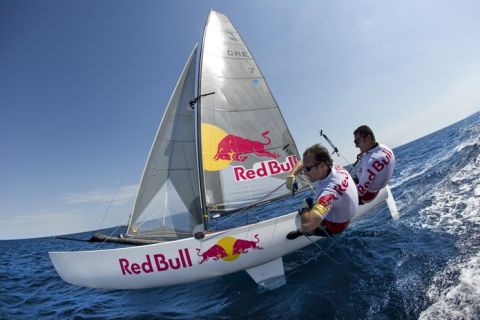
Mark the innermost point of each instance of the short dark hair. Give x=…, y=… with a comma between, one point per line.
x=364, y=131
x=320, y=153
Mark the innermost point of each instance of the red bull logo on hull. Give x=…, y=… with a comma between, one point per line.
x=156, y=263
x=215, y=252
x=228, y=249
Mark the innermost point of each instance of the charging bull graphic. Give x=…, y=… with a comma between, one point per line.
x=216, y=252
x=228, y=249
x=233, y=147
x=242, y=246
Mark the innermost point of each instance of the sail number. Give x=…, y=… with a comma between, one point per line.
x=235, y=53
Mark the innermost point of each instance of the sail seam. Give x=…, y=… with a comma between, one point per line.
x=231, y=58
x=233, y=78
x=175, y=140
x=243, y=110
x=170, y=169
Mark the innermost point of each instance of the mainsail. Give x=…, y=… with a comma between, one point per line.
x=246, y=146
x=234, y=142
x=168, y=200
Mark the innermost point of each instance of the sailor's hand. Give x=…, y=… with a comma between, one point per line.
x=307, y=203
x=290, y=182
x=302, y=211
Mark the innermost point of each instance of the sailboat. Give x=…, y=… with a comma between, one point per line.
x=221, y=146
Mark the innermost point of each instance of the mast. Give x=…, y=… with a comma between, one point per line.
x=198, y=122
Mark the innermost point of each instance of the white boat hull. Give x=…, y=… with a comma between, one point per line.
x=256, y=248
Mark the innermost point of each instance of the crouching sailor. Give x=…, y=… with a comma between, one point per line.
x=336, y=195
x=377, y=162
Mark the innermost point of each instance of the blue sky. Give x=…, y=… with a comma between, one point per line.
x=84, y=85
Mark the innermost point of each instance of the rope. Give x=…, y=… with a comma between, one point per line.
x=335, y=150
x=112, y=201
x=326, y=253
x=335, y=244
x=250, y=206
x=111, y=233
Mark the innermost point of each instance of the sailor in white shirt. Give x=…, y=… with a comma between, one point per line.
x=375, y=169
x=336, y=199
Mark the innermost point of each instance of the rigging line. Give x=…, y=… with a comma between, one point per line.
x=250, y=206
x=108, y=210
x=325, y=251
x=68, y=238
x=113, y=199
x=110, y=235
x=335, y=244
x=336, y=151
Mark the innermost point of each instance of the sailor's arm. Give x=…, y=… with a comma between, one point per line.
x=357, y=167
x=291, y=175
x=362, y=182
x=312, y=218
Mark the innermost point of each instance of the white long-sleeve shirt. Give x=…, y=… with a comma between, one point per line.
x=338, y=193
x=375, y=170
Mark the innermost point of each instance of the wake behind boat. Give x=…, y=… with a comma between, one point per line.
x=219, y=149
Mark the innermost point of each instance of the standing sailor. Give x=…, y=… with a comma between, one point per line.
x=336, y=199
x=377, y=162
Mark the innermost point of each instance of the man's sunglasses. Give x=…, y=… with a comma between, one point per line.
x=356, y=141
x=308, y=168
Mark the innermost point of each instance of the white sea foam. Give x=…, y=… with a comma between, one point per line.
x=455, y=291
x=460, y=300
x=411, y=171
x=455, y=204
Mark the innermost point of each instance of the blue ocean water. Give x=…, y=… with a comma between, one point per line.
x=425, y=265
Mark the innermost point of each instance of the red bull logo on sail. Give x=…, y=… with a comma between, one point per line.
x=228, y=249
x=264, y=169
x=233, y=147
x=221, y=148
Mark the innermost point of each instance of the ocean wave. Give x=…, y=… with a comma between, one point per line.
x=454, y=292
x=454, y=203
x=460, y=300
x=439, y=162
